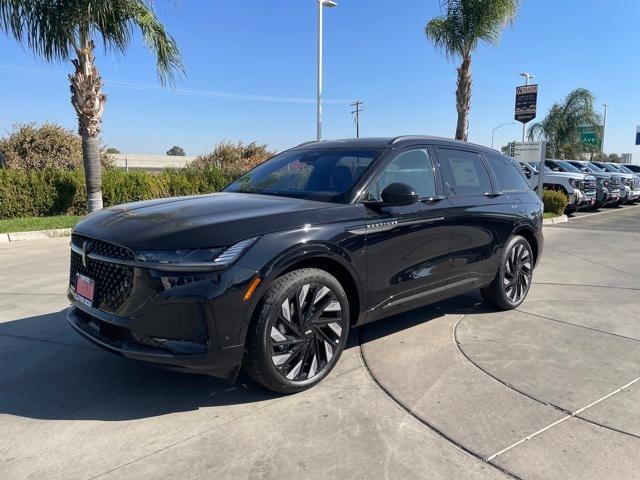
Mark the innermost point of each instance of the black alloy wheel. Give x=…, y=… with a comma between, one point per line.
x=301, y=331
x=511, y=284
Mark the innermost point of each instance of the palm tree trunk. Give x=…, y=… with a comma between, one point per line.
x=463, y=98
x=88, y=101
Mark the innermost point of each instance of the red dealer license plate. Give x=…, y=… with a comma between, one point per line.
x=84, y=289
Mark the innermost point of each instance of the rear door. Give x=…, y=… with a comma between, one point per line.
x=482, y=216
x=407, y=246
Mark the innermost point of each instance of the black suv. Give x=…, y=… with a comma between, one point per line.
x=271, y=273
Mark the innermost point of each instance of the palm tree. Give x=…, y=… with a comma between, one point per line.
x=65, y=30
x=561, y=127
x=457, y=34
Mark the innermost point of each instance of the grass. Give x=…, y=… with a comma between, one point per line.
x=550, y=215
x=27, y=224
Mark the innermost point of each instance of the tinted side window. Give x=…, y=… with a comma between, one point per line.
x=464, y=172
x=413, y=168
x=508, y=174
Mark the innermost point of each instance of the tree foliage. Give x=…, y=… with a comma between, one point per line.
x=234, y=158
x=31, y=147
x=176, y=151
x=561, y=127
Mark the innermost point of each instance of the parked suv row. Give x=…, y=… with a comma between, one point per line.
x=588, y=184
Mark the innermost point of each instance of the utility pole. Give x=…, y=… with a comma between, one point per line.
x=604, y=126
x=358, y=107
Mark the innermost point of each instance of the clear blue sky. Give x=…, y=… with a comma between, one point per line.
x=375, y=50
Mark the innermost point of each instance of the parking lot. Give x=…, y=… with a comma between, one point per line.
x=551, y=390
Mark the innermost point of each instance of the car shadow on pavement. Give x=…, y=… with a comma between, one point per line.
x=462, y=305
x=47, y=371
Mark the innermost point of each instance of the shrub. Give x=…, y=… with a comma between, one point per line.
x=554, y=201
x=234, y=159
x=32, y=147
x=56, y=192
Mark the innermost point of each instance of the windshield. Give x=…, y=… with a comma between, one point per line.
x=624, y=169
x=320, y=174
x=606, y=167
x=595, y=168
x=567, y=166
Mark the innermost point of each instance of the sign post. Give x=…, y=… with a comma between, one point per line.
x=532, y=152
x=526, y=104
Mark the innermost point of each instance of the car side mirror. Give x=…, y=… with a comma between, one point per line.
x=399, y=194
x=527, y=173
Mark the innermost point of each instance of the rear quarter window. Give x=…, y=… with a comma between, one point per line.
x=510, y=177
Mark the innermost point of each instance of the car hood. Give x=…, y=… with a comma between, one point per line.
x=204, y=221
x=577, y=176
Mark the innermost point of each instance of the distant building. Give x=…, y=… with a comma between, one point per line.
x=625, y=158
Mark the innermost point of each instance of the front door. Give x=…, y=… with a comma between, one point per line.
x=407, y=246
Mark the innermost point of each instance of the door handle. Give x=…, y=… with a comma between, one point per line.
x=493, y=194
x=436, y=198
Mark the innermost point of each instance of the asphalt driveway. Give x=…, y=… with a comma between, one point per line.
x=454, y=390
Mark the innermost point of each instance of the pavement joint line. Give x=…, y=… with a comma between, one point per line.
x=604, y=332
x=190, y=437
x=568, y=413
x=568, y=417
x=31, y=294
x=585, y=285
x=423, y=423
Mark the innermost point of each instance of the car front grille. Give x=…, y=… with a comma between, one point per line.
x=590, y=185
x=113, y=282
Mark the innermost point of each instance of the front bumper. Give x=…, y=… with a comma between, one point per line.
x=196, y=324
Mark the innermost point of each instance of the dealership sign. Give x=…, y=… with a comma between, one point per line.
x=638, y=135
x=526, y=103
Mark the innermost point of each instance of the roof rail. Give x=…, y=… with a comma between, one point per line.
x=308, y=142
x=403, y=137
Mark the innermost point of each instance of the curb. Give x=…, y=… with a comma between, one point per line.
x=34, y=235
x=555, y=220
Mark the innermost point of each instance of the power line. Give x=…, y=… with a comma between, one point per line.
x=179, y=91
x=358, y=107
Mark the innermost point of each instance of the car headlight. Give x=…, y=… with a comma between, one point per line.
x=603, y=182
x=197, y=258
x=573, y=182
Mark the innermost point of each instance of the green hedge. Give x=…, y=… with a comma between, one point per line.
x=59, y=192
x=554, y=201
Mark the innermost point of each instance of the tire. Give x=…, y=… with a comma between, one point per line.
x=299, y=332
x=511, y=284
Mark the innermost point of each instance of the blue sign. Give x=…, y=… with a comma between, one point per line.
x=638, y=136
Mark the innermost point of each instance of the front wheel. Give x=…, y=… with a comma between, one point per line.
x=511, y=284
x=300, y=331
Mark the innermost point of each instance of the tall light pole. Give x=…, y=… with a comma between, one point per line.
x=604, y=126
x=321, y=4
x=527, y=77
x=499, y=126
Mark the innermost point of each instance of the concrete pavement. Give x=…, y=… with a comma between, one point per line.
x=448, y=391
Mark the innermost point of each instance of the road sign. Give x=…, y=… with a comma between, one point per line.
x=638, y=135
x=526, y=103
x=591, y=136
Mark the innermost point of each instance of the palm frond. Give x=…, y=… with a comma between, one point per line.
x=55, y=29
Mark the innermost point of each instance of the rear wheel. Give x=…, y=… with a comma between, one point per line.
x=300, y=332
x=512, y=282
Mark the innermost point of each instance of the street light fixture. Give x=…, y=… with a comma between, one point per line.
x=321, y=4
x=499, y=126
x=527, y=77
